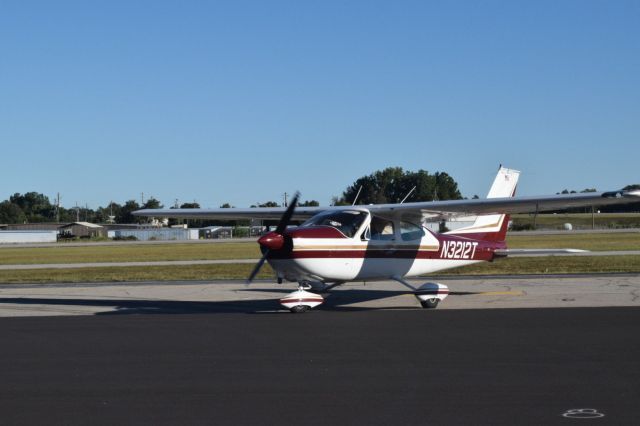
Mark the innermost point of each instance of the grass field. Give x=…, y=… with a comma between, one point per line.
x=248, y=250
x=548, y=265
x=128, y=253
x=579, y=220
x=552, y=265
x=135, y=273
x=591, y=242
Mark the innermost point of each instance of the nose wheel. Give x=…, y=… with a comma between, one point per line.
x=301, y=301
x=430, y=303
x=299, y=309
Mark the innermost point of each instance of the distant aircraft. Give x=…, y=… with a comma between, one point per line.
x=337, y=244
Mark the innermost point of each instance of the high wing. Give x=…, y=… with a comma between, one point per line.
x=418, y=211
x=271, y=213
x=507, y=205
x=499, y=201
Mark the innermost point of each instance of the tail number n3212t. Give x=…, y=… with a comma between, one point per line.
x=458, y=249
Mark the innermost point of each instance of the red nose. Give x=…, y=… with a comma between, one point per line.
x=272, y=241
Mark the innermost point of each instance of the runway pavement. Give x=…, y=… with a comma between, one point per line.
x=375, y=367
x=481, y=292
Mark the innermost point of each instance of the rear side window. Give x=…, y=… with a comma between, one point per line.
x=410, y=231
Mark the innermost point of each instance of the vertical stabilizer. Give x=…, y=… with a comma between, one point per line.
x=494, y=227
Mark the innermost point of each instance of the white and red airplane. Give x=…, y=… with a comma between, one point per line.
x=338, y=244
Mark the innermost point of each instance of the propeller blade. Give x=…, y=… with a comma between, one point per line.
x=257, y=268
x=286, y=217
x=282, y=226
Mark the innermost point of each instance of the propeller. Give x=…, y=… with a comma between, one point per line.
x=274, y=240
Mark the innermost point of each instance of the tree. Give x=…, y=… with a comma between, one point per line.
x=267, y=204
x=35, y=206
x=152, y=203
x=392, y=185
x=112, y=209
x=11, y=213
x=125, y=215
x=193, y=205
x=309, y=203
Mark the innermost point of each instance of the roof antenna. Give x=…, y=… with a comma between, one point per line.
x=407, y=196
x=357, y=195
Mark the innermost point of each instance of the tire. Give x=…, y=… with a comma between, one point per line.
x=430, y=303
x=300, y=309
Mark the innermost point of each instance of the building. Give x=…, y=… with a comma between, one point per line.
x=82, y=230
x=210, y=232
x=21, y=237
x=155, y=234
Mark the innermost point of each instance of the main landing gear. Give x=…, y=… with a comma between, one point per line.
x=429, y=294
x=302, y=300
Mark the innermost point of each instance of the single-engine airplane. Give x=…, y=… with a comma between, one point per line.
x=338, y=244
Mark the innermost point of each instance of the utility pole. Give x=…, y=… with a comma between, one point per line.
x=142, y=198
x=58, y=208
x=285, y=199
x=111, y=216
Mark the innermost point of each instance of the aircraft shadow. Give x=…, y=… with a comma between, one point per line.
x=335, y=301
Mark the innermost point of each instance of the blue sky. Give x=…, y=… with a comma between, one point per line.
x=240, y=101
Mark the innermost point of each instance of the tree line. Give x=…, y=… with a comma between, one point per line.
x=34, y=207
x=391, y=185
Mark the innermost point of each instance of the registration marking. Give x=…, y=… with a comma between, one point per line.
x=458, y=249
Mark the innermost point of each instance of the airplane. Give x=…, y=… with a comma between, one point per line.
x=339, y=244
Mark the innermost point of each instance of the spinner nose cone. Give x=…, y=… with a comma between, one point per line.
x=272, y=241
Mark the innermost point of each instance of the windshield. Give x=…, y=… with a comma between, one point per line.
x=346, y=221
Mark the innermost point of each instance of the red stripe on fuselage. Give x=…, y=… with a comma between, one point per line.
x=301, y=300
x=373, y=254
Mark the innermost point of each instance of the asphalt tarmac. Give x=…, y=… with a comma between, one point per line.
x=223, y=353
x=368, y=367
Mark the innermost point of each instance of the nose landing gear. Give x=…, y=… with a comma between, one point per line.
x=301, y=300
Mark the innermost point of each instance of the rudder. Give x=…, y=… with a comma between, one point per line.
x=494, y=227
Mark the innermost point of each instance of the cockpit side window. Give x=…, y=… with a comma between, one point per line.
x=346, y=221
x=381, y=229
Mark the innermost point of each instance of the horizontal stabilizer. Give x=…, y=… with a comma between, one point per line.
x=539, y=252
